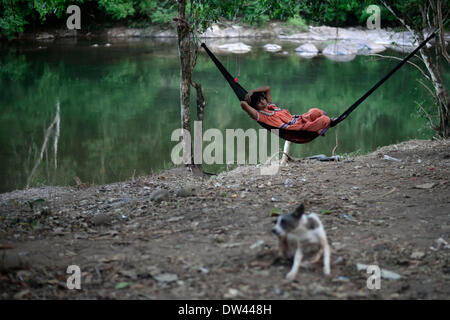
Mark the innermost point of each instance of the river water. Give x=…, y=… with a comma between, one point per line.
x=119, y=105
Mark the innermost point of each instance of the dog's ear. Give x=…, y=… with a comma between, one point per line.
x=299, y=211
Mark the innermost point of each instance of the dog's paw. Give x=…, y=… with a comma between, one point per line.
x=291, y=276
x=326, y=271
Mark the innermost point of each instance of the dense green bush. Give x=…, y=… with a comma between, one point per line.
x=17, y=15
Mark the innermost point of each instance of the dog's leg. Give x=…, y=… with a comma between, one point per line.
x=297, y=261
x=326, y=255
x=283, y=247
x=317, y=256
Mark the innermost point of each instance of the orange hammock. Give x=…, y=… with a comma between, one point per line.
x=304, y=136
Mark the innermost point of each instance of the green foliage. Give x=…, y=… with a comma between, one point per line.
x=12, y=17
x=297, y=21
x=118, y=9
x=274, y=212
x=296, y=12
x=16, y=15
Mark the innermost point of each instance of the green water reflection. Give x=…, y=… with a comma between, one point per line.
x=120, y=104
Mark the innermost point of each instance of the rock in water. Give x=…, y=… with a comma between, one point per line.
x=340, y=51
x=340, y=48
x=367, y=47
x=237, y=47
x=307, y=50
x=272, y=47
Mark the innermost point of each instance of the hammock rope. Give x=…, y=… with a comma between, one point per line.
x=379, y=83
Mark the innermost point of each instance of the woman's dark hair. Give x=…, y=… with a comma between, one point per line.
x=256, y=96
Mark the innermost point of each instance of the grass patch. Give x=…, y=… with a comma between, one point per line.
x=297, y=22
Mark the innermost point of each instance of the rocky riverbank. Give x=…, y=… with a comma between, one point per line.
x=176, y=235
x=336, y=43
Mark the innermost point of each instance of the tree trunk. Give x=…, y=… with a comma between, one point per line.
x=198, y=139
x=431, y=60
x=184, y=53
x=443, y=100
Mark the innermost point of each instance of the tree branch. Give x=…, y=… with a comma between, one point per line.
x=441, y=30
x=407, y=26
x=426, y=114
x=43, y=148
x=428, y=88
x=397, y=58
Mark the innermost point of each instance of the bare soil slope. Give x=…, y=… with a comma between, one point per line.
x=211, y=239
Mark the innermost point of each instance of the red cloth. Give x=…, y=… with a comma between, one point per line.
x=315, y=120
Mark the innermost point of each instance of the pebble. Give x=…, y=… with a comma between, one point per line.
x=101, y=219
x=81, y=235
x=166, y=277
x=10, y=261
x=441, y=243
x=129, y=274
x=232, y=293
x=288, y=183
x=339, y=260
x=341, y=279
x=417, y=255
x=386, y=157
x=257, y=244
x=184, y=192
x=159, y=195
x=386, y=274
x=203, y=270
x=317, y=289
x=425, y=186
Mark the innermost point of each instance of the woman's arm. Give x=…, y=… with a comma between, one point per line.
x=252, y=112
x=264, y=89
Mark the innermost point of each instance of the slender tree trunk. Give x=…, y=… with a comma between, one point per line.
x=184, y=53
x=198, y=139
x=56, y=139
x=443, y=100
x=201, y=103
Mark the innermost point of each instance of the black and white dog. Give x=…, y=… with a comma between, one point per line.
x=296, y=230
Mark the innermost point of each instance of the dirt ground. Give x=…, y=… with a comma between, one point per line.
x=210, y=238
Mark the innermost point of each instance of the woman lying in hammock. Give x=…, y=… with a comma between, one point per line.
x=258, y=104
